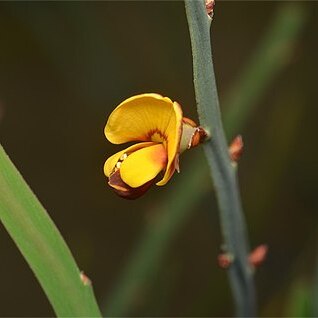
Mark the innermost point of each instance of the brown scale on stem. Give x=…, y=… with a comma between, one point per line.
x=198, y=134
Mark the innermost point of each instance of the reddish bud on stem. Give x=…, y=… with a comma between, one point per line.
x=236, y=148
x=225, y=260
x=258, y=255
x=209, y=5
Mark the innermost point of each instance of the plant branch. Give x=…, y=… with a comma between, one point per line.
x=216, y=150
x=270, y=57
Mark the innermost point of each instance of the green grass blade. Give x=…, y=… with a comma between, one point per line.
x=42, y=245
x=270, y=58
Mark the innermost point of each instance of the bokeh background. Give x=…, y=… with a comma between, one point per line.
x=65, y=65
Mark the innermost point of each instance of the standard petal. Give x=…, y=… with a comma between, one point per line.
x=112, y=161
x=139, y=118
x=174, y=132
x=143, y=165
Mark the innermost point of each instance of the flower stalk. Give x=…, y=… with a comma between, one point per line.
x=216, y=150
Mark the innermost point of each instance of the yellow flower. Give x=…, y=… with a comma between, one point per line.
x=157, y=124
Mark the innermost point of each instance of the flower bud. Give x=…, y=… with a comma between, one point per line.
x=258, y=255
x=225, y=260
x=236, y=148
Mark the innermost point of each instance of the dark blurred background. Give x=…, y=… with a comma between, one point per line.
x=65, y=65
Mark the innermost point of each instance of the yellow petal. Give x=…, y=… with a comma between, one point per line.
x=111, y=161
x=148, y=117
x=138, y=117
x=143, y=165
x=173, y=132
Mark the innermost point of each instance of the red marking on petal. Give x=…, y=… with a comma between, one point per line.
x=160, y=156
x=124, y=190
x=156, y=131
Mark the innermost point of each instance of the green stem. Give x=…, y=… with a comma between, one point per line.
x=42, y=245
x=269, y=59
x=216, y=150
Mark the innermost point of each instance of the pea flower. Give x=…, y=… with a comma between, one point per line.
x=161, y=132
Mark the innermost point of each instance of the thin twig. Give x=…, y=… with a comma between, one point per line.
x=216, y=150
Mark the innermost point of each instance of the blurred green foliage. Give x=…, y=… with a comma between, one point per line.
x=66, y=65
